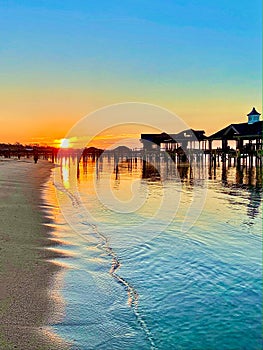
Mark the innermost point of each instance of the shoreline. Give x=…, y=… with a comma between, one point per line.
x=26, y=273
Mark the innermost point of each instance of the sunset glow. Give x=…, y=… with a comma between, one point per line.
x=64, y=143
x=182, y=58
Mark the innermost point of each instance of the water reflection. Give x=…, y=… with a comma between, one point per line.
x=217, y=257
x=245, y=179
x=149, y=171
x=253, y=208
x=65, y=172
x=124, y=170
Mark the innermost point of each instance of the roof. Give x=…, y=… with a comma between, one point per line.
x=192, y=135
x=122, y=149
x=189, y=134
x=253, y=112
x=92, y=151
x=234, y=131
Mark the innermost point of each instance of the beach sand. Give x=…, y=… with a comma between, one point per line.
x=26, y=275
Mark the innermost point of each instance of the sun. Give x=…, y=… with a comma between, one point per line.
x=64, y=143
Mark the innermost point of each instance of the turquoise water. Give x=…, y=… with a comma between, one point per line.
x=134, y=282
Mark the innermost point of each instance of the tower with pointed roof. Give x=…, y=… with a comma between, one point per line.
x=253, y=116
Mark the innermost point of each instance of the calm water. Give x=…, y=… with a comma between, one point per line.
x=134, y=282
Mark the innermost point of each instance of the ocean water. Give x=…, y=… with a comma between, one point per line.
x=158, y=257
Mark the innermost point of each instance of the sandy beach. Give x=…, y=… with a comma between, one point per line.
x=26, y=275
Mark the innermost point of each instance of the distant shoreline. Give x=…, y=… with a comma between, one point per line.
x=26, y=275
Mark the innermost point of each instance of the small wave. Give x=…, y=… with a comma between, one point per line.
x=133, y=296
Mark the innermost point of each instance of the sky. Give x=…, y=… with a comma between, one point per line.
x=61, y=60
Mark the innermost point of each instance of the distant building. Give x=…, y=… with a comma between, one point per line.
x=194, y=139
x=250, y=131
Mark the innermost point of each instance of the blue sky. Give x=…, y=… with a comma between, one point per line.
x=182, y=55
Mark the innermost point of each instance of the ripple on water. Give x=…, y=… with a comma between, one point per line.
x=197, y=291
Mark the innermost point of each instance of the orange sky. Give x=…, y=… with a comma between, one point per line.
x=30, y=117
x=61, y=61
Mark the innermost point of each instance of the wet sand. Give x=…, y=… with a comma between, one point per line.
x=26, y=275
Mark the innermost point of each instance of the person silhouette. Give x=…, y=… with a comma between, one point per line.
x=35, y=157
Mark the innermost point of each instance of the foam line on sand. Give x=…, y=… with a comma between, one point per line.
x=26, y=274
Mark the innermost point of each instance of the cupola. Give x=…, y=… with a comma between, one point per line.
x=253, y=116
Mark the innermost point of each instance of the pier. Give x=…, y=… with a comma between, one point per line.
x=194, y=146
